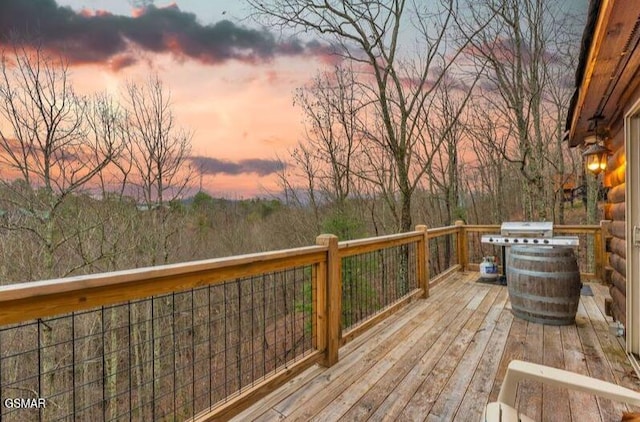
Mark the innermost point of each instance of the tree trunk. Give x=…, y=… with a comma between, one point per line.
x=406, y=221
x=592, y=216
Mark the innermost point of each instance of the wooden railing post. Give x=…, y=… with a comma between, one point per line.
x=423, y=260
x=319, y=305
x=332, y=307
x=601, y=248
x=463, y=258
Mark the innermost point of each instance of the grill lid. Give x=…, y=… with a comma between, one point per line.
x=527, y=228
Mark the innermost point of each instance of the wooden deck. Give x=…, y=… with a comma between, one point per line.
x=444, y=358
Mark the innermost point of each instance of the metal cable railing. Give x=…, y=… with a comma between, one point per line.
x=374, y=280
x=164, y=357
x=443, y=253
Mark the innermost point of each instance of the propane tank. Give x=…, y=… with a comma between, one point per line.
x=488, y=268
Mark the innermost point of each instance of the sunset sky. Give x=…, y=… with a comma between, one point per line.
x=231, y=82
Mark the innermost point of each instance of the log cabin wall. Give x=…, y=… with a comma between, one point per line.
x=607, y=85
x=615, y=211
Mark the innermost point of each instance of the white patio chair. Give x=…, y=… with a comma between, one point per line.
x=503, y=410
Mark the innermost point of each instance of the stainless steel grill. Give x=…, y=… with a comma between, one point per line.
x=528, y=233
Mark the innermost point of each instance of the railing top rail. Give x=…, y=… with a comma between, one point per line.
x=565, y=228
x=414, y=235
x=84, y=292
x=561, y=227
x=443, y=231
x=354, y=247
x=481, y=227
x=577, y=228
x=19, y=302
x=125, y=276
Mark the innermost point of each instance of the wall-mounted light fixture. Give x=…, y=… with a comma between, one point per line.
x=596, y=154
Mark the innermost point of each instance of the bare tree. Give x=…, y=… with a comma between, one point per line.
x=159, y=148
x=368, y=34
x=446, y=131
x=557, y=97
x=488, y=178
x=45, y=145
x=159, y=152
x=107, y=120
x=518, y=48
x=48, y=159
x=307, y=169
x=332, y=138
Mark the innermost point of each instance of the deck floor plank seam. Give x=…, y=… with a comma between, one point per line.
x=437, y=296
x=555, y=400
x=396, y=399
x=351, y=355
x=529, y=392
x=617, y=357
x=266, y=405
x=514, y=349
x=582, y=406
x=289, y=394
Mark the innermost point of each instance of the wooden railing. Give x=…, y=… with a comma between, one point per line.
x=109, y=346
x=591, y=253
x=234, y=328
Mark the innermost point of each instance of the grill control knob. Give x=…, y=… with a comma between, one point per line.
x=525, y=240
x=515, y=240
x=535, y=240
x=546, y=241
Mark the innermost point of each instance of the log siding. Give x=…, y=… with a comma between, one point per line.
x=615, y=211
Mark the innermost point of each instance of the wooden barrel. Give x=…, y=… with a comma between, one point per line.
x=544, y=284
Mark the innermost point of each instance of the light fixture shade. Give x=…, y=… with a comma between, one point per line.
x=596, y=157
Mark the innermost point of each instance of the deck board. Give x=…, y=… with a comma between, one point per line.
x=514, y=349
x=443, y=358
x=351, y=359
x=529, y=392
x=373, y=353
x=597, y=363
x=432, y=385
x=582, y=406
x=483, y=378
x=555, y=400
x=374, y=395
x=399, y=396
x=456, y=388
